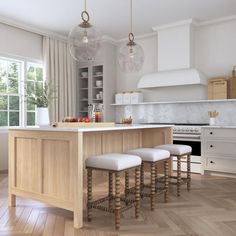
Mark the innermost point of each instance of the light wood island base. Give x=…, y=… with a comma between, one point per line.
x=48, y=165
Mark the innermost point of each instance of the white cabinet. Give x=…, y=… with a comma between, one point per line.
x=96, y=83
x=219, y=149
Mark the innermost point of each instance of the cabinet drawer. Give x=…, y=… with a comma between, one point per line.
x=221, y=165
x=220, y=133
x=220, y=147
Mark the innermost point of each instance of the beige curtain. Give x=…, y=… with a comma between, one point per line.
x=60, y=72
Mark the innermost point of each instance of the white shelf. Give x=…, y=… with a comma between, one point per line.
x=96, y=76
x=84, y=100
x=97, y=99
x=83, y=88
x=98, y=87
x=176, y=102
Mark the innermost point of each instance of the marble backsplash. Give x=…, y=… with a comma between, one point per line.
x=189, y=112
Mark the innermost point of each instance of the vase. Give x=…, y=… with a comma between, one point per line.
x=212, y=121
x=42, y=116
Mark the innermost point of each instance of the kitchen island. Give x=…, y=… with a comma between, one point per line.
x=47, y=164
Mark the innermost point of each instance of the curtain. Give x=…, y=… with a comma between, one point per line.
x=60, y=70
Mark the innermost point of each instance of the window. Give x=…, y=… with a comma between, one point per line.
x=10, y=77
x=16, y=79
x=34, y=79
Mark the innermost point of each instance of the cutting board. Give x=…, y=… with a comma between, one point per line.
x=82, y=124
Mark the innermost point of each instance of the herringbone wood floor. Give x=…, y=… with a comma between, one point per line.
x=209, y=209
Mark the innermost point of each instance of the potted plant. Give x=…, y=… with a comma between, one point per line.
x=40, y=96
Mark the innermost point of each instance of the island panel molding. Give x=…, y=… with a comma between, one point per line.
x=48, y=165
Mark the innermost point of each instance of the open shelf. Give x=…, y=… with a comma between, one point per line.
x=175, y=102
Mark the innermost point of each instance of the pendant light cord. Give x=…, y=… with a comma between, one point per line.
x=131, y=16
x=85, y=5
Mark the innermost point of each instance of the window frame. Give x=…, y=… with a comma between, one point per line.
x=21, y=87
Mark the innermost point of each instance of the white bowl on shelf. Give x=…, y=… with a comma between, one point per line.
x=84, y=74
x=99, y=83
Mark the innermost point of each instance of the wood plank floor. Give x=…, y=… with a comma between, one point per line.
x=209, y=209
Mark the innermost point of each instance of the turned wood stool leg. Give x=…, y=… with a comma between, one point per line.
x=89, y=194
x=117, y=200
x=110, y=189
x=142, y=177
x=156, y=171
x=188, y=172
x=126, y=184
x=137, y=192
x=178, y=175
x=166, y=173
x=153, y=186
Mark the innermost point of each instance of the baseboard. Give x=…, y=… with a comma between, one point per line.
x=3, y=171
x=220, y=174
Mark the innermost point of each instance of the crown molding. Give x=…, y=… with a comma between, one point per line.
x=216, y=21
x=141, y=36
x=108, y=39
x=174, y=24
x=31, y=29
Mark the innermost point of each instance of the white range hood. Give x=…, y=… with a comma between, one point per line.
x=175, y=58
x=172, y=78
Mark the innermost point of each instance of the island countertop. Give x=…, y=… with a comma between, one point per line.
x=93, y=129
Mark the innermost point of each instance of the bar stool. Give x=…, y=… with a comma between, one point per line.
x=153, y=157
x=179, y=151
x=114, y=163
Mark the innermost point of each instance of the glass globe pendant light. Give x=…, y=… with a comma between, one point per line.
x=84, y=39
x=131, y=55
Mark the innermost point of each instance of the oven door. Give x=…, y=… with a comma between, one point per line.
x=196, y=146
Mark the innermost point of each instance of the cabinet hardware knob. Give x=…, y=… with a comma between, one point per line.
x=211, y=133
x=212, y=162
x=211, y=146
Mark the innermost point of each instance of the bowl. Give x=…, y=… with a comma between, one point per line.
x=99, y=83
x=84, y=74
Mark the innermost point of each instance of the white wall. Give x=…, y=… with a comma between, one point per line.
x=215, y=48
x=21, y=44
x=215, y=55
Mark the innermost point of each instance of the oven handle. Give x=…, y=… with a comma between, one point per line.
x=187, y=137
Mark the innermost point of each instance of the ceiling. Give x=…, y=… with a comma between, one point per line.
x=112, y=16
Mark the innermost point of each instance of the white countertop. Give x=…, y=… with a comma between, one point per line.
x=220, y=126
x=92, y=129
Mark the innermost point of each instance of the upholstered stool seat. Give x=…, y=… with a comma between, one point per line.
x=179, y=151
x=150, y=154
x=114, y=163
x=153, y=157
x=176, y=149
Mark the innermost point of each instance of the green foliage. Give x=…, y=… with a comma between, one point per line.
x=40, y=95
